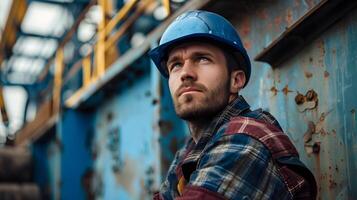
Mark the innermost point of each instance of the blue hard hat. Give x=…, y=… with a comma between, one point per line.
x=199, y=24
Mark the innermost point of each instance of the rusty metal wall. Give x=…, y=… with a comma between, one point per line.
x=312, y=93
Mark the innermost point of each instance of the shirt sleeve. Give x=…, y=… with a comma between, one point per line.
x=236, y=167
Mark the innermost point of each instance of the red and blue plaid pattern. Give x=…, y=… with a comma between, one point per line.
x=226, y=165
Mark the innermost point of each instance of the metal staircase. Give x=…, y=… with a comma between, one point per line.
x=16, y=175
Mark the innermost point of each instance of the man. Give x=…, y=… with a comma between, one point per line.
x=233, y=153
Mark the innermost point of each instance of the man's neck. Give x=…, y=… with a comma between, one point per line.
x=197, y=128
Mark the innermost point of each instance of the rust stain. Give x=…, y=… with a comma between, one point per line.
x=274, y=90
x=277, y=22
x=321, y=46
x=332, y=183
x=311, y=95
x=125, y=176
x=322, y=117
x=311, y=129
x=318, y=174
x=247, y=44
x=165, y=127
x=333, y=132
x=320, y=124
x=286, y=90
x=289, y=17
x=262, y=14
x=323, y=132
x=326, y=74
x=245, y=27
x=316, y=147
x=147, y=183
x=299, y=98
x=87, y=184
x=307, y=102
x=308, y=74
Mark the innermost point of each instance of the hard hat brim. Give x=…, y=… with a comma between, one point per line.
x=159, y=54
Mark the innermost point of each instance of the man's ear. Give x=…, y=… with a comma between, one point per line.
x=237, y=81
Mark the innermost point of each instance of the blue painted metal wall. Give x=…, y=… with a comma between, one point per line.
x=126, y=164
x=75, y=137
x=46, y=154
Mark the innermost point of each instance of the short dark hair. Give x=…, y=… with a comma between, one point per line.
x=234, y=60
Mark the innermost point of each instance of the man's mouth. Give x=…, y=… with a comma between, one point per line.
x=188, y=89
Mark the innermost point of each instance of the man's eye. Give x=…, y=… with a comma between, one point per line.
x=203, y=59
x=174, y=66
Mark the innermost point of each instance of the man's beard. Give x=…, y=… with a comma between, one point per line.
x=193, y=108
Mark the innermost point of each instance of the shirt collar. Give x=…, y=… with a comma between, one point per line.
x=235, y=108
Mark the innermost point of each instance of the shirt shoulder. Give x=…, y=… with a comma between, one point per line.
x=238, y=166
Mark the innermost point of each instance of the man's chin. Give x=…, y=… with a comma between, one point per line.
x=187, y=116
x=194, y=113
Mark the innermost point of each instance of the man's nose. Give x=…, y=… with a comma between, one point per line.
x=188, y=72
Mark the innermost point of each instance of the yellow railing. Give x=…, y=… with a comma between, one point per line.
x=93, y=65
x=4, y=117
x=104, y=50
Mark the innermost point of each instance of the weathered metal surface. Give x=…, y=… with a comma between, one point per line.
x=311, y=93
x=125, y=144
x=304, y=30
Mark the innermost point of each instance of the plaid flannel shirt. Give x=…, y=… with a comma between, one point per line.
x=225, y=166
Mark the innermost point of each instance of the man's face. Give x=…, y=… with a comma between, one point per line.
x=198, y=80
